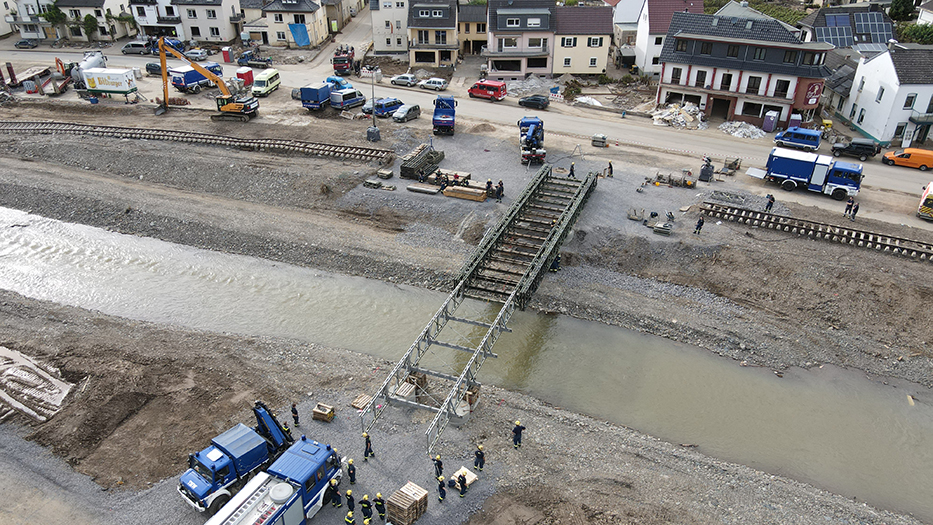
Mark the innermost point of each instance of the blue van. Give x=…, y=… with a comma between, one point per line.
x=802, y=138
x=385, y=107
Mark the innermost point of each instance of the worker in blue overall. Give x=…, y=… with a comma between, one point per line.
x=517, y=434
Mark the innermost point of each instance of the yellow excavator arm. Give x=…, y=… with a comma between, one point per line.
x=200, y=69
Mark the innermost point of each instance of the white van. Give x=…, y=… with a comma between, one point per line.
x=266, y=82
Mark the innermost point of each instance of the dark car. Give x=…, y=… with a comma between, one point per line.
x=26, y=44
x=861, y=148
x=154, y=68
x=534, y=101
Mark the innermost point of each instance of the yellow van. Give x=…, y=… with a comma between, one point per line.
x=910, y=157
x=266, y=82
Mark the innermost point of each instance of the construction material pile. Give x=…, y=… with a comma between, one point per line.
x=588, y=100
x=532, y=85
x=743, y=130
x=407, y=504
x=686, y=116
x=423, y=159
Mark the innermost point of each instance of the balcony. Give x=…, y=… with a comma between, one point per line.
x=25, y=19
x=455, y=44
x=144, y=2
x=168, y=19
x=236, y=18
x=514, y=52
x=921, y=118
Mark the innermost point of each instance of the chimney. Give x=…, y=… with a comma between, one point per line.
x=891, y=44
x=744, y=3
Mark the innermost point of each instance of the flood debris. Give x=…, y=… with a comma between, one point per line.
x=743, y=130
x=686, y=116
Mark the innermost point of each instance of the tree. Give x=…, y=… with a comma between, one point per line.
x=54, y=16
x=89, y=25
x=901, y=9
x=917, y=33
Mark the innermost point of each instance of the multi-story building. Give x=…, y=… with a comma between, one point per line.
x=520, y=39
x=28, y=22
x=653, y=22
x=432, y=31
x=741, y=69
x=390, y=26
x=891, y=99
x=209, y=20
x=6, y=17
x=472, y=19
x=104, y=11
x=157, y=18
x=583, y=37
x=295, y=23
x=625, y=30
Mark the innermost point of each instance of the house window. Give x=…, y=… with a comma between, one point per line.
x=299, y=18
x=140, y=11
x=593, y=61
x=98, y=13
x=861, y=83
x=655, y=61
x=899, y=130
x=211, y=14
x=842, y=102
x=537, y=43
x=594, y=41
x=30, y=28
x=388, y=42
x=74, y=13
x=508, y=43
x=760, y=53
x=480, y=28
x=790, y=57
x=387, y=5
x=568, y=41
x=400, y=5
x=732, y=51
x=437, y=13
x=675, y=75
x=102, y=30
x=726, y=82
x=537, y=63
x=861, y=115
x=215, y=31
x=930, y=106
x=75, y=31
x=398, y=41
x=512, y=22
x=750, y=109
x=880, y=94
x=424, y=13
x=278, y=18
x=388, y=24
x=909, y=102
x=440, y=37
x=533, y=22
x=567, y=62
x=195, y=31
x=658, y=40
x=169, y=11
x=681, y=45
x=280, y=36
x=466, y=28
x=192, y=13
x=706, y=48
x=701, y=79
x=810, y=59
x=423, y=37
x=781, y=88
x=852, y=111
x=398, y=24
x=753, y=86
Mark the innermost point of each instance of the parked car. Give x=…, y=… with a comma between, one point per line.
x=154, y=68
x=406, y=113
x=26, y=44
x=385, y=107
x=368, y=106
x=534, y=101
x=404, y=80
x=437, y=84
x=136, y=48
x=861, y=148
x=196, y=54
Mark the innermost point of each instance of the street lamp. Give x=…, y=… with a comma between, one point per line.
x=372, y=134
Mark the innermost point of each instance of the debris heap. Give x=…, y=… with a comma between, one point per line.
x=532, y=85
x=743, y=130
x=686, y=116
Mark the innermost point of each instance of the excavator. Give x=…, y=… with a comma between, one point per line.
x=232, y=107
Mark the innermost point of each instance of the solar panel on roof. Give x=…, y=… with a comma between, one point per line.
x=873, y=25
x=837, y=20
x=837, y=36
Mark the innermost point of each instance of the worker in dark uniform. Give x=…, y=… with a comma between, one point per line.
x=500, y=191
x=351, y=501
x=380, y=506
x=350, y=519
x=295, y=414
x=368, y=453
x=351, y=471
x=441, y=491
x=328, y=494
x=438, y=466
x=517, y=434
x=461, y=480
x=480, y=458
x=366, y=506
x=335, y=494
x=572, y=174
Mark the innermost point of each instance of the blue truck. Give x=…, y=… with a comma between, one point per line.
x=315, y=96
x=445, y=115
x=189, y=80
x=531, y=138
x=216, y=473
x=290, y=492
x=794, y=169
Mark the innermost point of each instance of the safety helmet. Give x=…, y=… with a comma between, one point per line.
x=366, y=521
x=349, y=492
x=365, y=496
x=365, y=434
x=440, y=478
x=438, y=456
x=479, y=447
x=350, y=514
x=517, y=422
x=378, y=494
x=488, y=180
x=350, y=461
x=333, y=482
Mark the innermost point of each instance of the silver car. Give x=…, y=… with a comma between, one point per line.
x=404, y=80
x=437, y=84
x=196, y=54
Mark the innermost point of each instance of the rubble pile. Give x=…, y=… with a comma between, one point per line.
x=587, y=100
x=743, y=130
x=423, y=73
x=686, y=116
x=530, y=86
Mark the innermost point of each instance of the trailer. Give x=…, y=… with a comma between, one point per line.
x=101, y=81
x=820, y=173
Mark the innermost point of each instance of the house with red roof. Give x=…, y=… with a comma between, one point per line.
x=653, y=22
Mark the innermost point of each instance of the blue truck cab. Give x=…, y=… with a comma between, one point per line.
x=189, y=80
x=315, y=96
x=445, y=115
x=802, y=138
x=290, y=492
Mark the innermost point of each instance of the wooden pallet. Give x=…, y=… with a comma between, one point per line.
x=323, y=412
x=461, y=192
x=405, y=389
x=470, y=477
x=407, y=504
x=361, y=401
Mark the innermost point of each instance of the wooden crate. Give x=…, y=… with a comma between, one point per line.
x=323, y=412
x=407, y=504
x=361, y=401
x=472, y=395
x=470, y=477
x=461, y=192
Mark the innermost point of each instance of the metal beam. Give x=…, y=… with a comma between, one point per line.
x=458, y=347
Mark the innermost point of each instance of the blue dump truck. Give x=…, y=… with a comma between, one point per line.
x=794, y=169
x=315, y=96
x=189, y=80
x=290, y=492
x=445, y=115
x=532, y=139
x=216, y=473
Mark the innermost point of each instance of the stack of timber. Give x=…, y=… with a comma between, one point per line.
x=424, y=159
x=407, y=504
x=464, y=192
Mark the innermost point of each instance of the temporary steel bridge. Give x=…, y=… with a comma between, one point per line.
x=505, y=269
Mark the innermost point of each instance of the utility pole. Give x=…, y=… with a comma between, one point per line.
x=372, y=134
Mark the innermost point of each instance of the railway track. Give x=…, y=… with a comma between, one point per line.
x=384, y=156
x=909, y=248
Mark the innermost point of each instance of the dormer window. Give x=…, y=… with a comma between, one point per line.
x=437, y=13
x=424, y=13
x=534, y=22
x=513, y=22
x=681, y=45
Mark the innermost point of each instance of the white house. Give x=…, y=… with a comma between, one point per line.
x=891, y=99
x=209, y=20
x=104, y=11
x=6, y=17
x=653, y=21
x=390, y=26
x=157, y=18
x=926, y=13
x=28, y=22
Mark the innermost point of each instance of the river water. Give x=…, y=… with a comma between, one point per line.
x=831, y=427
